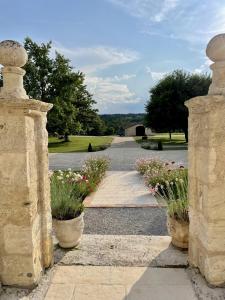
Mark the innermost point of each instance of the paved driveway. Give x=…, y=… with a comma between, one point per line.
x=123, y=153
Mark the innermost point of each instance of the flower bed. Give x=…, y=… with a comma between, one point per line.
x=169, y=181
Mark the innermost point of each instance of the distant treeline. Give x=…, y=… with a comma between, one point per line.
x=116, y=123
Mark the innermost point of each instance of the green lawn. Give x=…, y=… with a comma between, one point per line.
x=177, y=138
x=78, y=144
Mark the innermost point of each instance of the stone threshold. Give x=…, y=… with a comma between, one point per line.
x=123, y=250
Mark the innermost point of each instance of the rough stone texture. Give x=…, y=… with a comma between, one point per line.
x=123, y=250
x=179, y=231
x=25, y=223
x=12, y=57
x=215, y=51
x=207, y=186
x=202, y=289
x=38, y=293
x=25, y=214
x=12, y=54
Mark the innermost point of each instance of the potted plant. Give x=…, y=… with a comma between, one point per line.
x=176, y=195
x=178, y=223
x=178, y=218
x=67, y=208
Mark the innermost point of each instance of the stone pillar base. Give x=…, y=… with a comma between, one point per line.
x=25, y=213
x=206, y=156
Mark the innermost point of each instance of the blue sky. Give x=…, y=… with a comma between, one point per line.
x=123, y=46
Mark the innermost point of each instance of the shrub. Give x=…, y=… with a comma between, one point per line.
x=144, y=138
x=90, y=149
x=144, y=165
x=160, y=146
x=157, y=172
x=94, y=169
x=147, y=146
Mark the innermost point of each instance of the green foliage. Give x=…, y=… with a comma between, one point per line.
x=116, y=123
x=165, y=109
x=54, y=80
x=166, y=174
x=178, y=209
x=95, y=168
x=66, y=200
x=152, y=165
x=170, y=182
x=176, y=196
x=69, y=188
x=78, y=144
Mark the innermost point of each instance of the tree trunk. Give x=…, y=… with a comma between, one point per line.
x=66, y=138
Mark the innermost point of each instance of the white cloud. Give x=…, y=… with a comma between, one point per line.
x=192, y=21
x=204, y=68
x=123, y=77
x=107, y=91
x=92, y=59
x=156, y=76
x=152, y=10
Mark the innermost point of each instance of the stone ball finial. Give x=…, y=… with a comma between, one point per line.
x=216, y=48
x=12, y=54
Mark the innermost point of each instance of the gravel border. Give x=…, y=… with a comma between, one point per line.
x=125, y=221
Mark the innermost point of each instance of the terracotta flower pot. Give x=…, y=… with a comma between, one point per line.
x=179, y=232
x=69, y=232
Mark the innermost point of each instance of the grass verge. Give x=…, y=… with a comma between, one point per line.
x=79, y=144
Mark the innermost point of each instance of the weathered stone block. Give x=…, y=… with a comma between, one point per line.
x=207, y=187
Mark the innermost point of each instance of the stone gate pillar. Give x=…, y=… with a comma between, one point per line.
x=206, y=155
x=25, y=214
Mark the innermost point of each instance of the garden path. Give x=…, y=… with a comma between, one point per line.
x=123, y=153
x=118, y=258
x=122, y=189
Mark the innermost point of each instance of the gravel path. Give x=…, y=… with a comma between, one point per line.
x=123, y=154
x=125, y=221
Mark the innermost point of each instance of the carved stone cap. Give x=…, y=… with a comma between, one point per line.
x=203, y=104
x=12, y=54
x=26, y=104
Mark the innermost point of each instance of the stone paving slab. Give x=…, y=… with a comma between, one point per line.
x=122, y=189
x=125, y=250
x=119, y=283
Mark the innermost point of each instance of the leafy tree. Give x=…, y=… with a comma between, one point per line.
x=38, y=70
x=165, y=109
x=116, y=123
x=54, y=80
